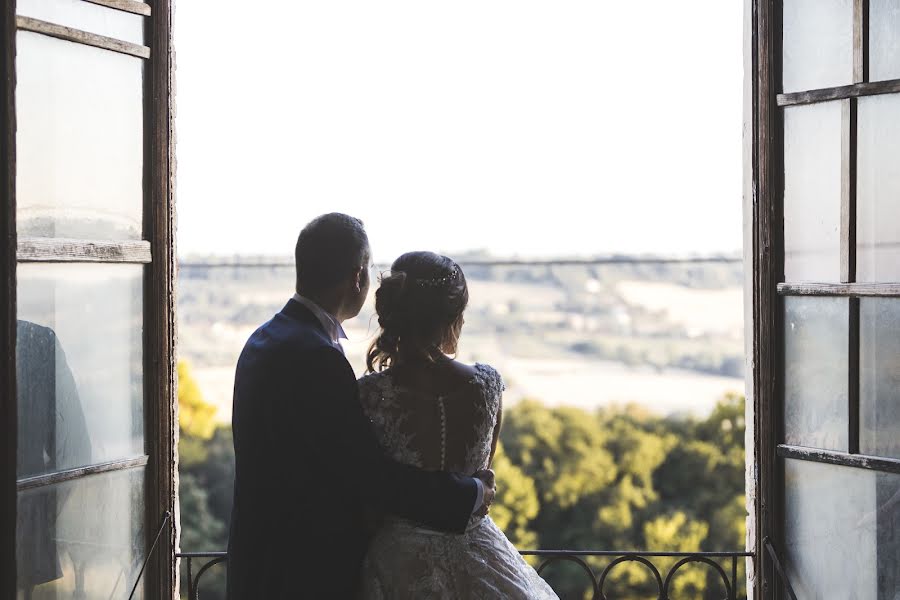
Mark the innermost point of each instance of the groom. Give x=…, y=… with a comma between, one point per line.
x=307, y=460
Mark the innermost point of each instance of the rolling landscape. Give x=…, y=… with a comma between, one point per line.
x=668, y=337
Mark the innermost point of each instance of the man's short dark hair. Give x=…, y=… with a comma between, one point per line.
x=330, y=249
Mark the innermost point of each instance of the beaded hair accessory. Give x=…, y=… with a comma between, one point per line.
x=439, y=281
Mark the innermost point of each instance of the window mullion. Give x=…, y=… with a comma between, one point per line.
x=70, y=34
x=159, y=314
x=853, y=377
x=848, y=189
x=80, y=472
x=854, y=290
x=880, y=464
x=131, y=6
x=854, y=90
x=8, y=401
x=38, y=249
x=860, y=41
x=849, y=167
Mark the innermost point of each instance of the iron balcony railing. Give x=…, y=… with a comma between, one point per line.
x=713, y=560
x=778, y=570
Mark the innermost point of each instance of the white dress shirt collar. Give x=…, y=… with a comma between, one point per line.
x=329, y=322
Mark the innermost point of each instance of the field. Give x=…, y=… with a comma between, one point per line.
x=566, y=337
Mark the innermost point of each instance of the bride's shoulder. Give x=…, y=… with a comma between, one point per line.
x=487, y=378
x=371, y=380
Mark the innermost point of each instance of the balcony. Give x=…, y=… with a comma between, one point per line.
x=724, y=566
x=569, y=335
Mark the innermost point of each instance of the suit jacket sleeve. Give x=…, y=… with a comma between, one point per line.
x=332, y=420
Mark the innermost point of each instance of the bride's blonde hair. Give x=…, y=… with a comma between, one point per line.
x=420, y=306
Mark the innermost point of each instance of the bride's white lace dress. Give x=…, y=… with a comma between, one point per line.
x=453, y=432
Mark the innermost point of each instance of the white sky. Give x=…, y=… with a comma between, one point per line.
x=523, y=127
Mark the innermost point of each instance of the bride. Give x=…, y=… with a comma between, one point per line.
x=435, y=413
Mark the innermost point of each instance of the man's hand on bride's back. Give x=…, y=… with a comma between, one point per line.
x=490, y=488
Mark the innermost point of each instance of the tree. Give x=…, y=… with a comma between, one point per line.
x=516, y=503
x=206, y=476
x=623, y=479
x=195, y=415
x=630, y=480
x=676, y=532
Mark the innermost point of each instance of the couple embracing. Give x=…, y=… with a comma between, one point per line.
x=376, y=489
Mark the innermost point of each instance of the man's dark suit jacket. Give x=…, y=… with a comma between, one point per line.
x=307, y=462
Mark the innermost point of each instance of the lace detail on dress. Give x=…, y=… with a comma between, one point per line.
x=379, y=397
x=491, y=385
x=410, y=561
x=381, y=406
x=406, y=562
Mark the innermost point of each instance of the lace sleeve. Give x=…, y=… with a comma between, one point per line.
x=492, y=388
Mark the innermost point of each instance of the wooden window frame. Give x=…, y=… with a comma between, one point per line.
x=765, y=173
x=81, y=37
x=8, y=412
x=155, y=251
x=133, y=6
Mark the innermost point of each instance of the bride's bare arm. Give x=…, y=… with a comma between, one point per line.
x=496, y=436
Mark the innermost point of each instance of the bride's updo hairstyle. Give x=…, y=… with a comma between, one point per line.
x=420, y=306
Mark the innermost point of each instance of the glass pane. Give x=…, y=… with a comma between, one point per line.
x=86, y=17
x=80, y=140
x=812, y=192
x=878, y=189
x=842, y=531
x=818, y=44
x=815, y=373
x=879, y=382
x=884, y=40
x=82, y=538
x=79, y=364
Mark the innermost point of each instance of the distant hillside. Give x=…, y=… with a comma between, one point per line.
x=661, y=334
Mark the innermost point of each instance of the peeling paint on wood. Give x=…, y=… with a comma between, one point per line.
x=30, y=249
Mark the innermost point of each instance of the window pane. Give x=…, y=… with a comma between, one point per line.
x=878, y=189
x=79, y=364
x=812, y=192
x=87, y=17
x=82, y=538
x=818, y=44
x=884, y=40
x=80, y=140
x=879, y=383
x=842, y=531
x=815, y=373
